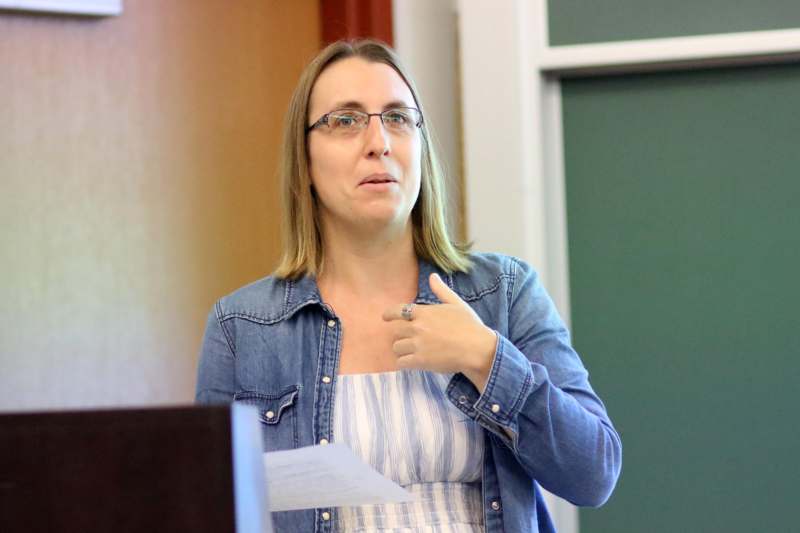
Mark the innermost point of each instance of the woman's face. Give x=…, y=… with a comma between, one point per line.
x=368, y=179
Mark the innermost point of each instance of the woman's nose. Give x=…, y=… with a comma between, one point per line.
x=377, y=138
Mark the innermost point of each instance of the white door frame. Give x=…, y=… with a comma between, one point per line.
x=512, y=127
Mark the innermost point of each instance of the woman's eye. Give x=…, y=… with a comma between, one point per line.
x=397, y=118
x=344, y=121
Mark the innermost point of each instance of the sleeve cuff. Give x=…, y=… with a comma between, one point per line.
x=510, y=382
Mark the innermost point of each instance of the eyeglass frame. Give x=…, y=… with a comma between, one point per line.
x=323, y=120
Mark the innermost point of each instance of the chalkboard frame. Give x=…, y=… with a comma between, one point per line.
x=506, y=57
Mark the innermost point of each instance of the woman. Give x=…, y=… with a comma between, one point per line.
x=449, y=372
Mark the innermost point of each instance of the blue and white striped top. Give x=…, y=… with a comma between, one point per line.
x=402, y=424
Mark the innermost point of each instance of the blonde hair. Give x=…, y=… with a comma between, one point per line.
x=303, y=252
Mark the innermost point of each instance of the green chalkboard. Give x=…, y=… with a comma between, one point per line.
x=683, y=202
x=581, y=21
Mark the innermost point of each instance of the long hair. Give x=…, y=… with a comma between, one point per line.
x=303, y=253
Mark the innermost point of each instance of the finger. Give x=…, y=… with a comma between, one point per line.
x=442, y=291
x=403, y=329
x=394, y=312
x=409, y=361
x=404, y=347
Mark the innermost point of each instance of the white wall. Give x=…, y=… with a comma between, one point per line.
x=425, y=37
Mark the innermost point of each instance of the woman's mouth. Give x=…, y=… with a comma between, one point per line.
x=378, y=179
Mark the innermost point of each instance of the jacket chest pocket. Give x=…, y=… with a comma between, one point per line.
x=277, y=415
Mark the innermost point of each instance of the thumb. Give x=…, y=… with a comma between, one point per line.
x=442, y=291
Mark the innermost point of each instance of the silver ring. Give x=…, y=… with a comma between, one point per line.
x=407, y=311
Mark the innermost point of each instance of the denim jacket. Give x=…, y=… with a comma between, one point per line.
x=275, y=344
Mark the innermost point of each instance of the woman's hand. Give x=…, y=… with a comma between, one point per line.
x=449, y=337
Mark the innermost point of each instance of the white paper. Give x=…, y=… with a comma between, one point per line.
x=325, y=476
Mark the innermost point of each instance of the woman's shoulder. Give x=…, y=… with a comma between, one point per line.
x=489, y=271
x=266, y=299
x=497, y=264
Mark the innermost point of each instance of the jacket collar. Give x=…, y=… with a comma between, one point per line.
x=305, y=291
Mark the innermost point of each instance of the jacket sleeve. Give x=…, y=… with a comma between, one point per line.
x=215, y=369
x=538, y=401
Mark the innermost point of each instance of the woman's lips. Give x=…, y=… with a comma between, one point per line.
x=378, y=186
x=378, y=179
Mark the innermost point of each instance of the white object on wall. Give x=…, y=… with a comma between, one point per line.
x=74, y=7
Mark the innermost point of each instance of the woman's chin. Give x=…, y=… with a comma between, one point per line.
x=381, y=221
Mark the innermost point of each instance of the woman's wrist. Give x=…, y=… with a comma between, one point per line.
x=480, y=366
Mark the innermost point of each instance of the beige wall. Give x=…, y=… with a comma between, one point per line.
x=137, y=161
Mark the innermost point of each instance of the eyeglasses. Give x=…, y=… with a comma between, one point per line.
x=400, y=120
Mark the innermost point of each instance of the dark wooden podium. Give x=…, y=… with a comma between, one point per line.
x=193, y=469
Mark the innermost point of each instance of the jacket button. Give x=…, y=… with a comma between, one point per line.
x=495, y=408
x=495, y=505
x=331, y=323
x=323, y=442
x=269, y=414
x=326, y=379
x=326, y=515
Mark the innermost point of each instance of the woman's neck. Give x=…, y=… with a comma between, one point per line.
x=370, y=266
